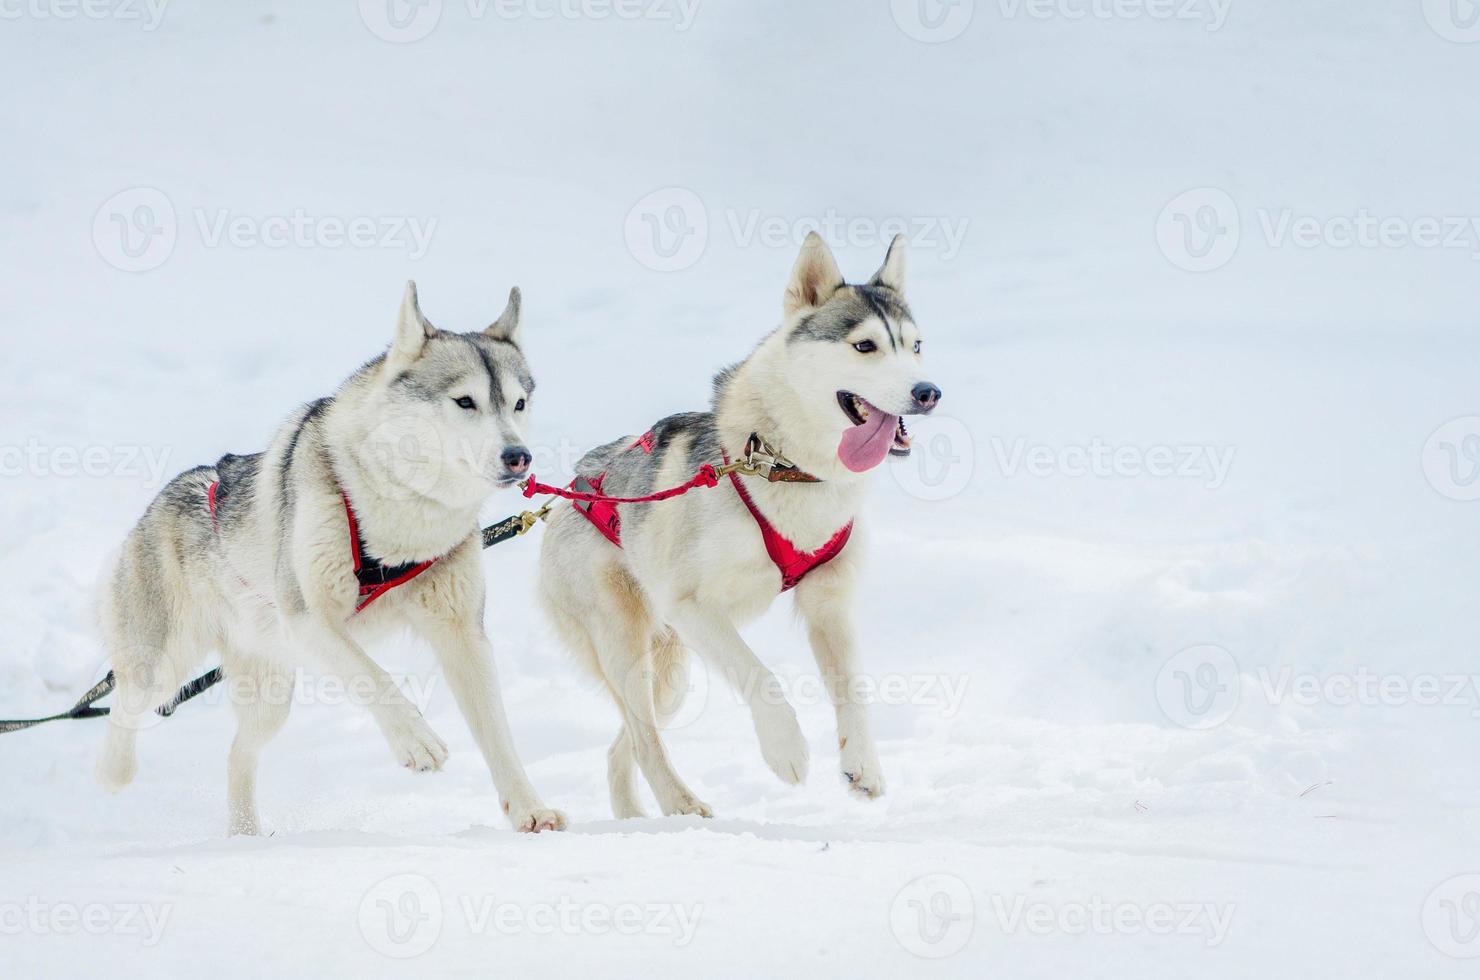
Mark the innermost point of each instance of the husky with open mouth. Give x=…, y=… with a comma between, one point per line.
x=360, y=518
x=632, y=587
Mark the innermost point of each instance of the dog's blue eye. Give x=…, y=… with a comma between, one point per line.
x=519, y=405
x=917, y=347
x=466, y=402
x=865, y=347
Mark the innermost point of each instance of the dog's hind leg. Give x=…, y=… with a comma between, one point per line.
x=624, y=650
x=621, y=777
x=670, y=684
x=262, y=695
x=148, y=666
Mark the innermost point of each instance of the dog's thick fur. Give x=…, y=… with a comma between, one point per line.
x=691, y=568
x=269, y=581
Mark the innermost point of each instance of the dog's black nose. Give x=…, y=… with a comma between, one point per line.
x=517, y=459
x=926, y=395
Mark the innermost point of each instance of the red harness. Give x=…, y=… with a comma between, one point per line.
x=375, y=578
x=793, y=563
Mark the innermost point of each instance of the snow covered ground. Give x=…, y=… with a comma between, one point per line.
x=1173, y=616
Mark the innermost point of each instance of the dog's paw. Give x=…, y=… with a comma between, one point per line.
x=862, y=773
x=413, y=743
x=782, y=744
x=688, y=805
x=533, y=819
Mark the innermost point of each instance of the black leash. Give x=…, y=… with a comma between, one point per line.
x=86, y=707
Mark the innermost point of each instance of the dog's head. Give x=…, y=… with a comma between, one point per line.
x=854, y=356
x=453, y=407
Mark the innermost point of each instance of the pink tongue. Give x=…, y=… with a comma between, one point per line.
x=864, y=446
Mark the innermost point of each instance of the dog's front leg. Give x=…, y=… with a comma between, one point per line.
x=412, y=741
x=466, y=657
x=824, y=599
x=715, y=637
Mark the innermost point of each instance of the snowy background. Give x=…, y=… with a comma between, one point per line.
x=1174, y=606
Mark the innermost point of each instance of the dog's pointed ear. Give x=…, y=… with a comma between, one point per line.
x=892, y=273
x=412, y=331
x=814, y=278
x=506, y=327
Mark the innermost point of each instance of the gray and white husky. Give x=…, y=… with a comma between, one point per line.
x=825, y=391
x=260, y=558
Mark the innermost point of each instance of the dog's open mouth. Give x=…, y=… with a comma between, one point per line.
x=874, y=435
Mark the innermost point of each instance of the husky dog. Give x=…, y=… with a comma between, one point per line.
x=826, y=391
x=263, y=558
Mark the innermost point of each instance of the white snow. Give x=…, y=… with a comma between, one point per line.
x=1026, y=621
